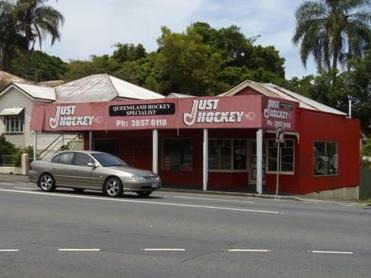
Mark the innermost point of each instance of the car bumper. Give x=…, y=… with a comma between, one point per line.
x=33, y=176
x=142, y=186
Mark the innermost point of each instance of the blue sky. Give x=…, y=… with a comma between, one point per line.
x=94, y=26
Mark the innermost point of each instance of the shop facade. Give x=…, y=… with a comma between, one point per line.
x=211, y=143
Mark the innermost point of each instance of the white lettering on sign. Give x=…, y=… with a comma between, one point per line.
x=64, y=117
x=203, y=112
x=272, y=112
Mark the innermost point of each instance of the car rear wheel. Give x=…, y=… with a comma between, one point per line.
x=47, y=183
x=144, y=193
x=113, y=187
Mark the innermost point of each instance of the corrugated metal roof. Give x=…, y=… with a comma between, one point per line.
x=125, y=89
x=272, y=90
x=11, y=111
x=305, y=102
x=101, y=87
x=177, y=95
x=39, y=92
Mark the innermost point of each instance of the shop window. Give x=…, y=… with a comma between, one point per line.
x=177, y=155
x=14, y=124
x=228, y=155
x=325, y=158
x=286, y=158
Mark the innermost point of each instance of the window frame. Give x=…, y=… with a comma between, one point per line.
x=268, y=171
x=163, y=140
x=9, y=120
x=326, y=142
x=232, y=156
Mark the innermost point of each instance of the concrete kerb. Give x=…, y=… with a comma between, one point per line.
x=228, y=193
x=264, y=196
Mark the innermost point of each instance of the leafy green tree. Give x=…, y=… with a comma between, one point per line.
x=359, y=89
x=97, y=64
x=38, y=66
x=332, y=31
x=128, y=52
x=189, y=65
x=201, y=61
x=6, y=148
x=354, y=84
x=237, y=50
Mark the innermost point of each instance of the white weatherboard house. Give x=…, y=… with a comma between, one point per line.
x=17, y=99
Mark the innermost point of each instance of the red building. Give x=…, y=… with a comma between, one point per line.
x=225, y=142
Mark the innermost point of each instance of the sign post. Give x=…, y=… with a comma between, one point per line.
x=280, y=138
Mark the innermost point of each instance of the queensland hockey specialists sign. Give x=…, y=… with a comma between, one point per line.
x=82, y=116
x=225, y=112
x=279, y=113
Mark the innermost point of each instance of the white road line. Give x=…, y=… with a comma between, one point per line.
x=142, y=202
x=9, y=250
x=78, y=250
x=210, y=199
x=332, y=252
x=249, y=250
x=165, y=249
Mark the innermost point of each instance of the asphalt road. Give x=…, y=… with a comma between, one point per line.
x=65, y=234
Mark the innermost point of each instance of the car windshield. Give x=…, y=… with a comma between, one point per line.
x=108, y=160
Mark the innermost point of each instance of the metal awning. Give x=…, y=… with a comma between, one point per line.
x=11, y=111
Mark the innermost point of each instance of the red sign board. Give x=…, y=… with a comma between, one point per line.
x=253, y=111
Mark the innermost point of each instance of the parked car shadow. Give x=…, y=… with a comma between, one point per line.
x=126, y=195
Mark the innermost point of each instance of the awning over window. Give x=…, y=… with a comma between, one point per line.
x=11, y=111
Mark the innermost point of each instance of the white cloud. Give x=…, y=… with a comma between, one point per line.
x=94, y=26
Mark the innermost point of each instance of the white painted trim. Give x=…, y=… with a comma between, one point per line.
x=205, y=159
x=259, y=161
x=155, y=151
x=34, y=145
x=14, y=86
x=267, y=158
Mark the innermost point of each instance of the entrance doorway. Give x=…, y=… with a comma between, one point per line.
x=252, y=164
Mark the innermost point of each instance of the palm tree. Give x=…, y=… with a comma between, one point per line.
x=332, y=31
x=35, y=20
x=10, y=39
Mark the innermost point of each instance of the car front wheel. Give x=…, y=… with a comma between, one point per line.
x=47, y=183
x=113, y=187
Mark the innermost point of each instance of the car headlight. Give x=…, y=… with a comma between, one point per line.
x=138, y=178
x=145, y=178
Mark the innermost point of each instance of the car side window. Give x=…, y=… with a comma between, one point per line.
x=55, y=159
x=82, y=159
x=64, y=158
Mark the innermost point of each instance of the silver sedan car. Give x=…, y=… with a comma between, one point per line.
x=92, y=170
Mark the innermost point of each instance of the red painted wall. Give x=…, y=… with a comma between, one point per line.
x=135, y=147
x=314, y=126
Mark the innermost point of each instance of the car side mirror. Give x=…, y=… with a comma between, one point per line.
x=92, y=165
